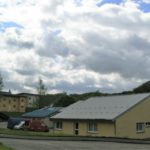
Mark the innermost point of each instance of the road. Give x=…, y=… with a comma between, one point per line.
x=20, y=144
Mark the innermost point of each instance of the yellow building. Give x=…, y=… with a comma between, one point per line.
x=12, y=103
x=126, y=116
x=32, y=99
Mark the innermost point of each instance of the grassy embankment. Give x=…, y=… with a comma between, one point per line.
x=3, y=147
x=28, y=133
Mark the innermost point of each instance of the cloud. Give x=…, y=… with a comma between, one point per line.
x=74, y=45
x=53, y=45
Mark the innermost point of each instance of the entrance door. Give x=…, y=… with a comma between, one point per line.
x=76, y=128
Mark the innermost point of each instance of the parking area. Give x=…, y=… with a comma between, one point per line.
x=20, y=144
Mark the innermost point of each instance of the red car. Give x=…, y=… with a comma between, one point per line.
x=35, y=125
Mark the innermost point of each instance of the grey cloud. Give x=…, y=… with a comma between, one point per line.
x=53, y=6
x=30, y=82
x=120, y=19
x=79, y=87
x=26, y=67
x=53, y=46
x=127, y=56
x=27, y=71
x=4, y=73
x=137, y=43
x=13, y=85
x=20, y=44
x=90, y=85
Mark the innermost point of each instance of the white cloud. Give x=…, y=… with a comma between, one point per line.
x=74, y=46
x=146, y=1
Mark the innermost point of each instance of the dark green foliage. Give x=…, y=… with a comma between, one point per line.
x=144, y=88
x=3, y=147
x=49, y=99
x=64, y=101
x=13, y=114
x=30, y=109
x=85, y=96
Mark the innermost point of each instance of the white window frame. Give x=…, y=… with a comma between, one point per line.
x=92, y=127
x=140, y=127
x=147, y=124
x=58, y=125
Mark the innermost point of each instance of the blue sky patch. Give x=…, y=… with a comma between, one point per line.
x=10, y=24
x=109, y=1
x=145, y=7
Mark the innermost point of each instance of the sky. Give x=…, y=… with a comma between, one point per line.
x=75, y=46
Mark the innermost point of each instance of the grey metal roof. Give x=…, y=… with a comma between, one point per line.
x=107, y=108
x=44, y=112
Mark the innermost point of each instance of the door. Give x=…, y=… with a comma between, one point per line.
x=76, y=128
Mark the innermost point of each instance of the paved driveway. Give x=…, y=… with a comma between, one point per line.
x=19, y=144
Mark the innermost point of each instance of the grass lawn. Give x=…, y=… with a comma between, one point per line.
x=3, y=147
x=27, y=133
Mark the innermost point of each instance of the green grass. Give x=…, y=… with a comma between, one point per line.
x=3, y=147
x=28, y=133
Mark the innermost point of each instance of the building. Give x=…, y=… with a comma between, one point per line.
x=32, y=99
x=43, y=114
x=126, y=116
x=12, y=103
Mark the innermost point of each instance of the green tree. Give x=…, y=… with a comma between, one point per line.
x=1, y=83
x=64, y=101
x=41, y=88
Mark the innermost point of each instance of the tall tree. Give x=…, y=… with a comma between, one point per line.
x=41, y=88
x=1, y=83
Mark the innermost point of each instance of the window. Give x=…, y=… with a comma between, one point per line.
x=92, y=127
x=58, y=125
x=147, y=124
x=140, y=127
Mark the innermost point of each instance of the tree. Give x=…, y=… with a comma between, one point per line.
x=41, y=89
x=64, y=101
x=1, y=83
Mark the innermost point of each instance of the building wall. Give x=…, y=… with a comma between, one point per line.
x=13, y=103
x=126, y=124
x=104, y=128
x=67, y=128
x=32, y=101
x=47, y=122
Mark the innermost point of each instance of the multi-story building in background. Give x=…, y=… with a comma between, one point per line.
x=32, y=99
x=12, y=103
